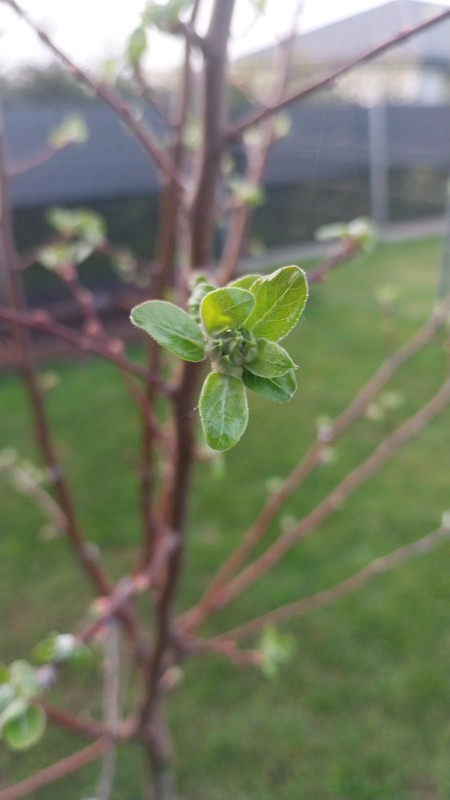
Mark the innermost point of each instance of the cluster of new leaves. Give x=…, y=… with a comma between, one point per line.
x=237, y=328
x=22, y=718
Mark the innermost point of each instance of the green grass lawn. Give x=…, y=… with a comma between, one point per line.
x=362, y=712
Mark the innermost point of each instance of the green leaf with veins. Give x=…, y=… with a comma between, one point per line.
x=225, y=308
x=245, y=282
x=272, y=360
x=171, y=327
x=279, y=301
x=223, y=410
x=25, y=730
x=280, y=390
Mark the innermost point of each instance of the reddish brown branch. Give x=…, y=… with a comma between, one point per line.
x=41, y=321
x=276, y=500
x=300, y=94
x=36, y=160
x=349, y=586
x=57, y=771
x=242, y=215
x=171, y=208
x=113, y=100
x=86, y=727
x=335, y=499
x=214, y=118
x=346, y=251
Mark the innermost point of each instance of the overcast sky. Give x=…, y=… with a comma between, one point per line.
x=91, y=30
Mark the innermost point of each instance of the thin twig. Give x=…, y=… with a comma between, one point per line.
x=24, y=482
x=57, y=771
x=33, y=161
x=350, y=585
x=275, y=502
x=300, y=94
x=242, y=214
x=111, y=692
x=42, y=321
x=113, y=100
x=335, y=499
x=72, y=722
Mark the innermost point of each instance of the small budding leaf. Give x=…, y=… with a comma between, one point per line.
x=272, y=360
x=15, y=707
x=251, y=194
x=7, y=696
x=72, y=130
x=61, y=647
x=55, y=256
x=279, y=302
x=23, y=679
x=171, y=327
x=225, y=308
x=280, y=390
x=82, y=222
x=137, y=45
x=223, y=410
x=276, y=649
x=24, y=730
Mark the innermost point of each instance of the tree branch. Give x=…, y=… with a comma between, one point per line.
x=57, y=771
x=241, y=217
x=350, y=585
x=113, y=100
x=333, y=501
x=41, y=321
x=275, y=502
x=300, y=94
x=85, y=727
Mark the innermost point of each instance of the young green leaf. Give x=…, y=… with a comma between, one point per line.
x=272, y=360
x=82, y=222
x=7, y=696
x=24, y=730
x=225, y=308
x=24, y=680
x=276, y=649
x=245, y=282
x=279, y=301
x=171, y=327
x=61, y=647
x=137, y=45
x=72, y=130
x=223, y=410
x=279, y=389
x=14, y=708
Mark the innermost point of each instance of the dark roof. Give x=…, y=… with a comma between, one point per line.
x=350, y=36
x=326, y=141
